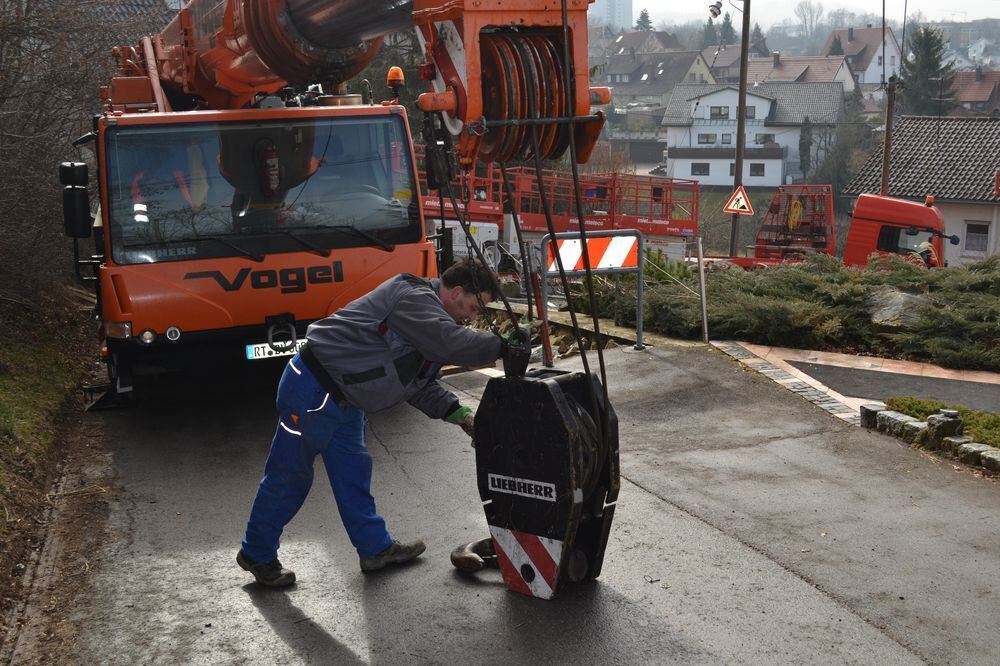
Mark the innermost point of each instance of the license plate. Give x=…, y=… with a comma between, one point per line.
x=263, y=350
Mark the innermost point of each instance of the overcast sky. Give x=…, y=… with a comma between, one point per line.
x=768, y=12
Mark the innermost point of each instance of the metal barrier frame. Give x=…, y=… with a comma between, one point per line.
x=571, y=235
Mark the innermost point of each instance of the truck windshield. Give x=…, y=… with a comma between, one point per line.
x=199, y=191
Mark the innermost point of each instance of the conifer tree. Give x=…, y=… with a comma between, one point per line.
x=644, y=23
x=757, y=40
x=926, y=79
x=727, y=34
x=836, y=47
x=709, y=36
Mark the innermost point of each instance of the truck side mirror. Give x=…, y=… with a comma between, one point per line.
x=76, y=203
x=76, y=212
x=954, y=239
x=73, y=173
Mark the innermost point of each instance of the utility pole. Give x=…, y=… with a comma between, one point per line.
x=890, y=105
x=741, y=122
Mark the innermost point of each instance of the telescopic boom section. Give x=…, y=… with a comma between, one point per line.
x=488, y=63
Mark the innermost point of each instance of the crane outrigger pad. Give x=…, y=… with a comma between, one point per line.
x=547, y=477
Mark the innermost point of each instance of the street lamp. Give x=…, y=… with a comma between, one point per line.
x=715, y=9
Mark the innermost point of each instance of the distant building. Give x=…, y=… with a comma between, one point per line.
x=649, y=78
x=701, y=123
x=871, y=60
x=724, y=61
x=612, y=13
x=977, y=93
x=955, y=160
x=804, y=69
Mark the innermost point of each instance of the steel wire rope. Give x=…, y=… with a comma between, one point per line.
x=508, y=194
x=568, y=74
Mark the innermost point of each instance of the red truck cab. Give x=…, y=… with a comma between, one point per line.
x=886, y=225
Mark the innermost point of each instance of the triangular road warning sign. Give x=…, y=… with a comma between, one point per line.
x=739, y=203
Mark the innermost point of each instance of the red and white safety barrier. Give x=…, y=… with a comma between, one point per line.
x=605, y=253
x=529, y=563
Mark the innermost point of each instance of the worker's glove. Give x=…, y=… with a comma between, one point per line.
x=465, y=418
x=524, y=331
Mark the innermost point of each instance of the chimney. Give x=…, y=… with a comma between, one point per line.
x=777, y=58
x=850, y=34
x=979, y=72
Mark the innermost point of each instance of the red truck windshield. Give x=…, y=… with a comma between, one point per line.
x=197, y=191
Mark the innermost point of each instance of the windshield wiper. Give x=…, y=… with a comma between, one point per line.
x=323, y=252
x=177, y=241
x=371, y=238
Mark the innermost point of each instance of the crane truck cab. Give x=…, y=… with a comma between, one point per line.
x=225, y=233
x=886, y=226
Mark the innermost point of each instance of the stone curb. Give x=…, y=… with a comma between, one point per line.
x=941, y=433
x=782, y=378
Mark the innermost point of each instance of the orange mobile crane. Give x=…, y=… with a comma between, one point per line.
x=238, y=202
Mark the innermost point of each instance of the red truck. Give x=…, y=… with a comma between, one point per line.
x=799, y=223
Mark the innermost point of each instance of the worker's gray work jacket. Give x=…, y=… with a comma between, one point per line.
x=389, y=345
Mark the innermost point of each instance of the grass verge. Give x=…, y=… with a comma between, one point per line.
x=41, y=369
x=983, y=427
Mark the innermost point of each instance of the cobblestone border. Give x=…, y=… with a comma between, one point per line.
x=795, y=385
x=941, y=433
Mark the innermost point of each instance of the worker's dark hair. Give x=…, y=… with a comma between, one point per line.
x=472, y=276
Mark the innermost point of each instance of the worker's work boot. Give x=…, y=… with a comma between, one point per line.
x=397, y=553
x=270, y=574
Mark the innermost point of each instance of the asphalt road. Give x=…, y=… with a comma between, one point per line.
x=751, y=527
x=877, y=385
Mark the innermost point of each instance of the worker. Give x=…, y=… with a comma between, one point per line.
x=383, y=348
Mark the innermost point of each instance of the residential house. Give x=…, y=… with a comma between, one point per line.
x=977, y=93
x=643, y=41
x=955, y=160
x=871, y=59
x=701, y=124
x=804, y=69
x=724, y=61
x=648, y=79
x=985, y=52
x=955, y=59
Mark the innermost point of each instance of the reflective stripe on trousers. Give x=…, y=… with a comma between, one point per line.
x=310, y=423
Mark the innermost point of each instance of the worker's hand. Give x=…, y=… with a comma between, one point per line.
x=515, y=358
x=523, y=332
x=466, y=419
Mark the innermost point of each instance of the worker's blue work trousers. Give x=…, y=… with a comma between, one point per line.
x=310, y=423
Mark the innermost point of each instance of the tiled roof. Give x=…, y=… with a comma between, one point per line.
x=728, y=55
x=793, y=101
x=949, y=158
x=866, y=44
x=809, y=69
x=629, y=41
x=968, y=89
x=663, y=71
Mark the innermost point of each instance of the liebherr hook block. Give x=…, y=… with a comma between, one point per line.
x=547, y=478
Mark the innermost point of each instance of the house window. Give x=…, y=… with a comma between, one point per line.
x=732, y=168
x=751, y=112
x=718, y=112
x=727, y=138
x=756, y=168
x=609, y=78
x=624, y=78
x=761, y=139
x=707, y=138
x=644, y=77
x=892, y=60
x=976, y=236
x=691, y=77
x=699, y=168
x=879, y=61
